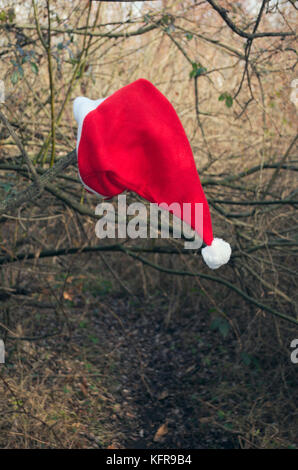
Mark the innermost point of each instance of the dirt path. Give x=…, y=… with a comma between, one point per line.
x=160, y=377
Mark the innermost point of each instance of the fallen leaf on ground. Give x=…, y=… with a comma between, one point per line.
x=67, y=295
x=161, y=432
x=164, y=394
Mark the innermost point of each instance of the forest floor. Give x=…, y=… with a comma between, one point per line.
x=136, y=372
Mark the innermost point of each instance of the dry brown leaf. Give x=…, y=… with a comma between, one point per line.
x=76, y=425
x=84, y=381
x=84, y=390
x=205, y=419
x=161, y=432
x=67, y=295
x=164, y=394
x=114, y=445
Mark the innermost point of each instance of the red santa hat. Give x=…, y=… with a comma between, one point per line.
x=133, y=140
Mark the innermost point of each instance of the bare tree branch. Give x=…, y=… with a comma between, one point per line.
x=34, y=190
x=224, y=14
x=21, y=147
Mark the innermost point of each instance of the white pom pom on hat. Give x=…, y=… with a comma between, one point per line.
x=133, y=140
x=216, y=254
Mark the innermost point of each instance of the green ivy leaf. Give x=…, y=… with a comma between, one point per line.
x=224, y=329
x=147, y=19
x=228, y=426
x=197, y=70
x=34, y=67
x=11, y=15
x=166, y=19
x=227, y=98
x=6, y=186
x=74, y=61
x=229, y=101
x=221, y=325
x=25, y=59
x=246, y=358
x=20, y=71
x=200, y=71
x=3, y=15
x=15, y=77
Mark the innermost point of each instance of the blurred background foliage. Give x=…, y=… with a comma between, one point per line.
x=139, y=344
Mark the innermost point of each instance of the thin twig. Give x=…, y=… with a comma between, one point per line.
x=224, y=14
x=22, y=149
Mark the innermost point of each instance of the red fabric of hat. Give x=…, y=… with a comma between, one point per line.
x=133, y=140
